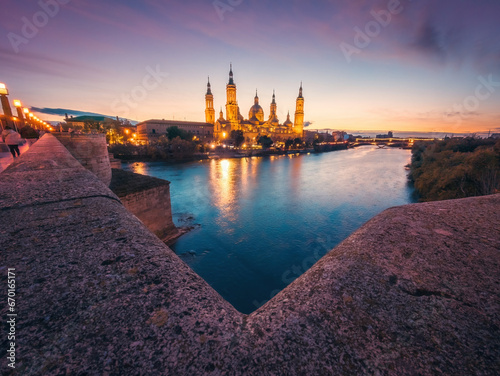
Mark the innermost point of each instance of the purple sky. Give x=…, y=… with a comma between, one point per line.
x=420, y=65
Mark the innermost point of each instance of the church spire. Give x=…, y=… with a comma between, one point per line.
x=209, y=87
x=256, y=99
x=274, y=98
x=231, y=81
x=209, y=102
x=300, y=90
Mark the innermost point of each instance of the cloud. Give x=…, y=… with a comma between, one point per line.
x=64, y=112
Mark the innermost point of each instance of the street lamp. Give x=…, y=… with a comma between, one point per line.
x=3, y=89
x=19, y=108
x=5, y=102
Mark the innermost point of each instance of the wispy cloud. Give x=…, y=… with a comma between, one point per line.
x=64, y=112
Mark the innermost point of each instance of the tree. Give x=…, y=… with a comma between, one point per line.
x=297, y=142
x=265, y=141
x=288, y=143
x=92, y=125
x=238, y=137
x=174, y=131
x=318, y=138
x=455, y=168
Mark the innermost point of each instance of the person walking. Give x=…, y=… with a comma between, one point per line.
x=12, y=139
x=29, y=134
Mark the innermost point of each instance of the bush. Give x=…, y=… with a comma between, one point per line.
x=455, y=168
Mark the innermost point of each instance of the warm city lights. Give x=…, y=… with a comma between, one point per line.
x=3, y=89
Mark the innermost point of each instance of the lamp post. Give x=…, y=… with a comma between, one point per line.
x=5, y=103
x=32, y=120
x=26, y=113
x=19, y=108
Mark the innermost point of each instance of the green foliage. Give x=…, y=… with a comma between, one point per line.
x=238, y=137
x=455, y=168
x=174, y=132
x=163, y=149
x=92, y=126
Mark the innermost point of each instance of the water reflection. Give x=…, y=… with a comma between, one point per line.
x=262, y=218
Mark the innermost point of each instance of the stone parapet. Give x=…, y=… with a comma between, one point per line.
x=91, y=151
x=415, y=291
x=148, y=199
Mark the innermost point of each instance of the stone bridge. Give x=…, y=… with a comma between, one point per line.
x=415, y=291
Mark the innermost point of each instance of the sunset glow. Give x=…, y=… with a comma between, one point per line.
x=370, y=65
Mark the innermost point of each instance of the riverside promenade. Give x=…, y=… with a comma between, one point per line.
x=6, y=158
x=414, y=291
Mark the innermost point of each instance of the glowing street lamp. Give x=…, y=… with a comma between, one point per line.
x=19, y=108
x=3, y=89
x=5, y=101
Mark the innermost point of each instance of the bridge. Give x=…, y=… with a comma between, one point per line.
x=391, y=142
x=416, y=290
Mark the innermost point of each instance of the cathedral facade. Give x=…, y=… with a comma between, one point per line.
x=255, y=125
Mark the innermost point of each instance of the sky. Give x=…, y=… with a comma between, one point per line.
x=365, y=65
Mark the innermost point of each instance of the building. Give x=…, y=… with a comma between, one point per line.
x=151, y=130
x=255, y=125
x=79, y=121
x=388, y=135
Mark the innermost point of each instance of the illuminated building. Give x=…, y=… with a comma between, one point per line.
x=255, y=126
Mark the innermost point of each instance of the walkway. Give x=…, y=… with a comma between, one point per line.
x=6, y=158
x=415, y=291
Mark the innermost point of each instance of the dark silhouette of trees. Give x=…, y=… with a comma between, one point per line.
x=238, y=137
x=265, y=141
x=174, y=131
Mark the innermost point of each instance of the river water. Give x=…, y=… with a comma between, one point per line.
x=261, y=222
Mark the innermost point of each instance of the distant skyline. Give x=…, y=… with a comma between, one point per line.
x=366, y=65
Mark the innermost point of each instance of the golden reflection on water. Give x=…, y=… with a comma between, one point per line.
x=223, y=186
x=232, y=182
x=140, y=168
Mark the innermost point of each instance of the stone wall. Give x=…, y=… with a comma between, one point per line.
x=91, y=151
x=415, y=291
x=148, y=199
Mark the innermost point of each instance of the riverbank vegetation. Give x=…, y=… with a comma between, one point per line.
x=177, y=144
x=455, y=168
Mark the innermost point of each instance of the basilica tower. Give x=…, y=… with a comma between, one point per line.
x=298, y=125
x=209, y=102
x=273, y=117
x=231, y=104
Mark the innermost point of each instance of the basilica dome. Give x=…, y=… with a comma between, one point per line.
x=288, y=122
x=256, y=112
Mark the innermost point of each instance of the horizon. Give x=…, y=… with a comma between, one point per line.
x=377, y=66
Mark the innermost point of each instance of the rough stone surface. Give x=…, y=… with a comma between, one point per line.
x=91, y=151
x=415, y=291
x=148, y=199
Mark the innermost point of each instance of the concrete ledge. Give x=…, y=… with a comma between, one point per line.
x=147, y=198
x=415, y=291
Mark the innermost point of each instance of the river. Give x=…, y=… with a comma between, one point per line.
x=261, y=222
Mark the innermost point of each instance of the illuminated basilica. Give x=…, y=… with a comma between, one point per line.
x=255, y=126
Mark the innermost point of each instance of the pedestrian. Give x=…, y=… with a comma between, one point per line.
x=12, y=139
x=30, y=134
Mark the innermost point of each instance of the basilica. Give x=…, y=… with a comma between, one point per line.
x=256, y=125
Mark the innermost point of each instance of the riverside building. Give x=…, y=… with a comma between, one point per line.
x=256, y=125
